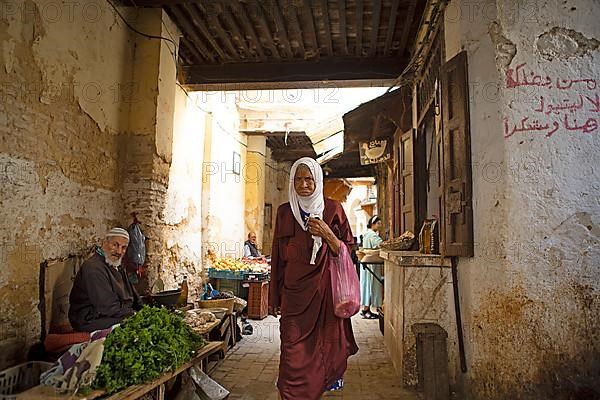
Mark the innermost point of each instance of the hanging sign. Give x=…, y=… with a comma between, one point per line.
x=374, y=151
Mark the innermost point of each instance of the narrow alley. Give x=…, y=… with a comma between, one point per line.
x=249, y=371
x=169, y=166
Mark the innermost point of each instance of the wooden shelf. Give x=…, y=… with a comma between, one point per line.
x=415, y=259
x=132, y=392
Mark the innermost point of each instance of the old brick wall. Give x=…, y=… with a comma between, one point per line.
x=63, y=68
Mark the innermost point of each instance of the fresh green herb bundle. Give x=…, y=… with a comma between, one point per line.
x=146, y=345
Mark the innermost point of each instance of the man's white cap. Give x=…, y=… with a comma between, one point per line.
x=120, y=232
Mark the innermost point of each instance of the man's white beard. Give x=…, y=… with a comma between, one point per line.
x=115, y=264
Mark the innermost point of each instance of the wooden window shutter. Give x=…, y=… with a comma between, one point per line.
x=457, y=221
x=406, y=184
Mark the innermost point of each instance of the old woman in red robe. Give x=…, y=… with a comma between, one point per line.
x=309, y=230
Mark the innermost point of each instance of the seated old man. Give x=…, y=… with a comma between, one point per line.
x=102, y=295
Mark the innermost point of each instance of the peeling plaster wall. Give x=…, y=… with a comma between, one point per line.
x=530, y=296
x=182, y=214
x=223, y=228
x=62, y=133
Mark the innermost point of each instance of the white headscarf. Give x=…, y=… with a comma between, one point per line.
x=313, y=204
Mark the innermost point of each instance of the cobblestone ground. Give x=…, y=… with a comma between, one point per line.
x=249, y=370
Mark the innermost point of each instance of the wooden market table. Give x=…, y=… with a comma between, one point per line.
x=130, y=393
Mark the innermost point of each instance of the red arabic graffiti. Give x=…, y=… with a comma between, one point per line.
x=518, y=77
x=552, y=114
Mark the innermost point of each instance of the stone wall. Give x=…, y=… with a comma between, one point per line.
x=63, y=134
x=88, y=137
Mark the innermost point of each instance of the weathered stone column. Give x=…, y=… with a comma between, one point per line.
x=148, y=145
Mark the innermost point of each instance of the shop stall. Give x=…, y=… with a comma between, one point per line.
x=247, y=278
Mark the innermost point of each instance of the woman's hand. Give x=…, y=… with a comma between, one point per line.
x=317, y=227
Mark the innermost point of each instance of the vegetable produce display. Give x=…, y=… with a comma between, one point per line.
x=144, y=346
x=245, y=264
x=228, y=263
x=256, y=265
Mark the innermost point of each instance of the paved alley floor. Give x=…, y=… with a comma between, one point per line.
x=249, y=371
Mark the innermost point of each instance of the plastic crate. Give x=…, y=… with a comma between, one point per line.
x=225, y=274
x=21, y=377
x=258, y=300
x=256, y=276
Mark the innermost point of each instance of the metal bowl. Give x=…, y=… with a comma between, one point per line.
x=167, y=298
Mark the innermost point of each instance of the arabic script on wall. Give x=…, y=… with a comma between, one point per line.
x=560, y=104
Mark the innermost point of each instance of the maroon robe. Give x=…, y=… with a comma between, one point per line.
x=315, y=344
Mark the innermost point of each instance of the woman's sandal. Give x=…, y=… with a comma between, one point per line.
x=368, y=315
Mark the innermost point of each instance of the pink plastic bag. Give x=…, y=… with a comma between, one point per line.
x=344, y=284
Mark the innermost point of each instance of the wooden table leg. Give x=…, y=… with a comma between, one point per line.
x=161, y=391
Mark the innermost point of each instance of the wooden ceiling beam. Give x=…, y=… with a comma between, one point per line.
x=343, y=31
x=327, y=27
x=190, y=34
x=307, y=13
x=236, y=31
x=292, y=154
x=391, y=28
x=186, y=55
x=362, y=171
x=280, y=27
x=406, y=28
x=295, y=26
x=201, y=27
x=359, y=27
x=155, y=3
x=259, y=15
x=323, y=70
x=274, y=134
x=212, y=15
x=242, y=16
x=292, y=84
x=191, y=52
x=375, y=27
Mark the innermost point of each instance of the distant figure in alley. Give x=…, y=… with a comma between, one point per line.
x=371, y=289
x=250, y=249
